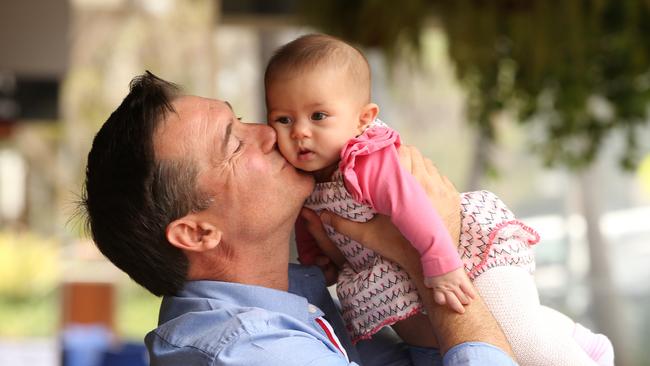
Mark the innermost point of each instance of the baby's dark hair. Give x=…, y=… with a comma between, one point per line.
x=320, y=50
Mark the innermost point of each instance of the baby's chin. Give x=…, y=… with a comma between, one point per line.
x=324, y=173
x=307, y=168
x=312, y=164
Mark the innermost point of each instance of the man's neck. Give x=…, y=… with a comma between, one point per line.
x=265, y=264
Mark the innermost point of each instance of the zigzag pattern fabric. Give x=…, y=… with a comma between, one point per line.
x=491, y=236
x=375, y=292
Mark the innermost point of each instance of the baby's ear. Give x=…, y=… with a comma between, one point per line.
x=368, y=114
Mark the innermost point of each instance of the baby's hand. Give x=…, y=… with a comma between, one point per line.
x=453, y=289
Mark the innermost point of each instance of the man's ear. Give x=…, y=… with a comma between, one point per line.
x=368, y=114
x=189, y=234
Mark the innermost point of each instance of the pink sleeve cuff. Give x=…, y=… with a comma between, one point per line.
x=440, y=265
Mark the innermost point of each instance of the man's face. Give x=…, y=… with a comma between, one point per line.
x=254, y=189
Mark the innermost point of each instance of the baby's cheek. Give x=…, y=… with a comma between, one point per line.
x=286, y=148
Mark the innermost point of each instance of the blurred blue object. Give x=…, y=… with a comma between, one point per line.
x=126, y=354
x=84, y=344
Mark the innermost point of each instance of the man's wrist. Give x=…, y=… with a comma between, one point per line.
x=410, y=262
x=452, y=223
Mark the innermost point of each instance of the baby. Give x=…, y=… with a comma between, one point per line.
x=318, y=102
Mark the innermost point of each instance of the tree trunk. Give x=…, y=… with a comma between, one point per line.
x=605, y=307
x=478, y=165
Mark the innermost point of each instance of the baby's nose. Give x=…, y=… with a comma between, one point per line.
x=300, y=130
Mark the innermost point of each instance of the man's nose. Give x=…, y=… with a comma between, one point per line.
x=300, y=129
x=267, y=137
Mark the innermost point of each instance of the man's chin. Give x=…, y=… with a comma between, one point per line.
x=301, y=187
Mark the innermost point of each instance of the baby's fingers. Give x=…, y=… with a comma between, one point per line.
x=454, y=303
x=439, y=297
x=447, y=297
x=461, y=296
x=468, y=290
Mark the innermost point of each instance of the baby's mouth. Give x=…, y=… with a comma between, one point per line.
x=304, y=153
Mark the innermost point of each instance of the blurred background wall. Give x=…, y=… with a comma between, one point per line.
x=546, y=105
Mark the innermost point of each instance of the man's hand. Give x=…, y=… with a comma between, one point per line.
x=332, y=260
x=443, y=195
x=378, y=234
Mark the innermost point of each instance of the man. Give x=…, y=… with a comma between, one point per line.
x=197, y=206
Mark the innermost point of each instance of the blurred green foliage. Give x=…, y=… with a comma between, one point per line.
x=137, y=311
x=30, y=282
x=29, y=265
x=37, y=316
x=573, y=71
x=393, y=26
x=30, y=272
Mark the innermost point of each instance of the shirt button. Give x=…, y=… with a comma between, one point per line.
x=312, y=309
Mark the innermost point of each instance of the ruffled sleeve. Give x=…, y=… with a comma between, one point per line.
x=371, y=140
x=372, y=174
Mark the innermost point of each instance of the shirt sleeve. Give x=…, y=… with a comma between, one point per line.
x=382, y=183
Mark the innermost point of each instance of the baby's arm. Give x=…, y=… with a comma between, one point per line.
x=477, y=324
x=382, y=183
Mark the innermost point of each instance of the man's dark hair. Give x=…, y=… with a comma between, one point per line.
x=130, y=197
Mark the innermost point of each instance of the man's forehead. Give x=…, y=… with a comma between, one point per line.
x=196, y=103
x=194, y=110
x=194, y=121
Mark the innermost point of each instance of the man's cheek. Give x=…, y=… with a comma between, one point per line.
x=258, y=165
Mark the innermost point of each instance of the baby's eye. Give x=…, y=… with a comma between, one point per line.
x=317, y=116
x=283, y=120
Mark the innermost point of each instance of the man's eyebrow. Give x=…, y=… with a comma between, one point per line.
x=228, y=104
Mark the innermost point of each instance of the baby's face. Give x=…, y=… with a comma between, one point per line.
x=314, y=114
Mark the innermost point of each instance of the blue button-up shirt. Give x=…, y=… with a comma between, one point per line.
x=222, y=323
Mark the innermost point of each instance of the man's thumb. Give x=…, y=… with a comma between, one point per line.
x=326, y=218
x=351, y=229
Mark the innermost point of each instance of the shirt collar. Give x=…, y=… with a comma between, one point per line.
x=214, y=295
